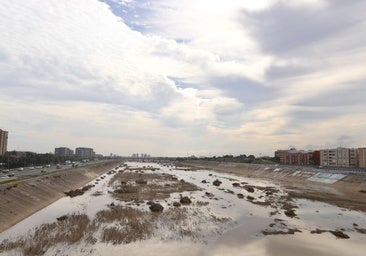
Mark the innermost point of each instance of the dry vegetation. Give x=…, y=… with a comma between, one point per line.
x=120, y=224
x=130, y=225
x=68, y=230
x=116, y=225
x=139, y=186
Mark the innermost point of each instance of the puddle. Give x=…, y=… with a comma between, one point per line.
x=224, y=220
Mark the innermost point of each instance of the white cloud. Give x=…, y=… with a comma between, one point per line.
x=204, y=76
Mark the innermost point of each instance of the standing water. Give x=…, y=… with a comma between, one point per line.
x=225, y=215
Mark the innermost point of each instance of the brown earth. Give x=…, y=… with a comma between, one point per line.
x=21, y=198
x=347, y=192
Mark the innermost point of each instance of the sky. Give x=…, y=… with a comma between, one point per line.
x=178, y=78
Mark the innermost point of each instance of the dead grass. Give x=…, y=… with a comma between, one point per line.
x=118, y=225
x=202, y=203
x=118, y=213
x=133, y=225
x=131, y=186
x=289, y=231
x=97, y=193
x=69, y=231
x=184, y=223
x=122, y=225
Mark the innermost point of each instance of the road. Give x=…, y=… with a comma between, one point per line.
x=31, y=172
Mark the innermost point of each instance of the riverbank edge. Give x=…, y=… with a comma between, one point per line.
x=20, y=199
x=348, y=192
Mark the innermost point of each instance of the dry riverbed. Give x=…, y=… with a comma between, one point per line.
x=186, y=211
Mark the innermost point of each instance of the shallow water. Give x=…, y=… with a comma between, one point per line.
x=242, y=234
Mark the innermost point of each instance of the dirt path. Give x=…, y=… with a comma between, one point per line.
x=20, y=199
x=349, y=192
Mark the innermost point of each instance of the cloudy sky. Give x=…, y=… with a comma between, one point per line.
x=170, y=77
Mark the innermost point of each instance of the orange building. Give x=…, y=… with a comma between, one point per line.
x=296, y=157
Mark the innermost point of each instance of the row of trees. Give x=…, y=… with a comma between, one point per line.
x=15, y=159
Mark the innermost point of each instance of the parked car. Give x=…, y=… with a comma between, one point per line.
x=20, y=169
x=11, y=174
x=5, y=171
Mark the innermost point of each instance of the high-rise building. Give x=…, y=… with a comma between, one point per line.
x=361, y=157
x=84, y=153
x=63, y=151
x=3, y=142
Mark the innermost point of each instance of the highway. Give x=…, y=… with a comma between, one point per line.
x=36, y=171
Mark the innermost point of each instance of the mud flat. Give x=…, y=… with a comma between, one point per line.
x=348, y=191
x=162, y=209
x=21, y=198
x=127, y=204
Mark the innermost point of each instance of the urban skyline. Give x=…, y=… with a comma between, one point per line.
x=4, y=145
x=333, y=157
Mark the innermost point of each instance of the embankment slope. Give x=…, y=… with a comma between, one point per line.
x=348, y=192
x=21, y=198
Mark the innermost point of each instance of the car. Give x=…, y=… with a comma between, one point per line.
x=11, y=174
x=20, y=169
x=31, y=168
x=43, y=171
x=48, y=166
x=5, y=171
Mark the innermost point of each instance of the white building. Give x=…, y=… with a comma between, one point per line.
x=339, y=157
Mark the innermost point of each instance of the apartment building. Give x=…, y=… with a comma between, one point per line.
x=328, y=157
x=63, y=151
x=281, y=155
x=336, y=157
x=84, y=152
x=353, y=157
x=3, y=142
x=296, y=157
x=361, y=152
x=339, y=157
